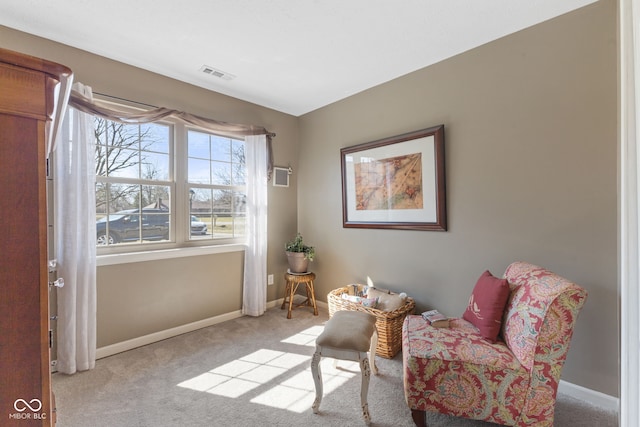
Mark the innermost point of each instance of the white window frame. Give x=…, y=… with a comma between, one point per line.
x=171, y=183
x=188, y=185
x=179, y=244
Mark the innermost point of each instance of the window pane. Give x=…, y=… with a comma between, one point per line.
x=117, y=213
x=101, y=199
x=239, y=214
x=123, y=163
x=155, y=197
x=100, y=129
x=156, y=137
x=198, y=145
x=200, y=213
x=200, y=200
x=239, y=203
x=125, y=135
x=239, y=226
x=221, y=149
x=222, y=223
x=199, y=172
x=122, y=197
x=222, y=201
x=155, y=166
x=239, y=174
x=221, y=173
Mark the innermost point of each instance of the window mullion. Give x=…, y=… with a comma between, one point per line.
x=132, y=181
x=180, y=179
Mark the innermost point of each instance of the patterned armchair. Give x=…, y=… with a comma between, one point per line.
x=513, y=381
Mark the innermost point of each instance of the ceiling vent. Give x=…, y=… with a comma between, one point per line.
x=217, y=73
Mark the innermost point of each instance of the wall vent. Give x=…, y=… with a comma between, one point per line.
x=217, y=73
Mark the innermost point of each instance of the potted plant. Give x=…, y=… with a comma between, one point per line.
x=299, y=254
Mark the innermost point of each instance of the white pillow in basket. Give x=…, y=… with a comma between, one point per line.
x=351, y=298
x=387, y=301
x=366, y=302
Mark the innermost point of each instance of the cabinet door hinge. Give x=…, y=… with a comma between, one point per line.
x=50, y=338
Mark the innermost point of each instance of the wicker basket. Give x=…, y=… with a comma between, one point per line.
x=388, y=323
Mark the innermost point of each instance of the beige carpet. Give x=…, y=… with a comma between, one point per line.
x=249, y=372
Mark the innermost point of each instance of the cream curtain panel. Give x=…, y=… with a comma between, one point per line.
x=254, y=290
x=75, y=240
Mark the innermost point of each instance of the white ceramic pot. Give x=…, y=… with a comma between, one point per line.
x=297, y=262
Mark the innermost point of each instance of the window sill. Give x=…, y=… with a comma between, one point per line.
x=131, y=257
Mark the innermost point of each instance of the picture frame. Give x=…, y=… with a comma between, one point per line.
x=396, y=182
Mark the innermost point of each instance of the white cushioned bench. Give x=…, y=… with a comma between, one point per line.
x=348, y=335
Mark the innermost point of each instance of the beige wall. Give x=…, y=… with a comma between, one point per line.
x=531, y=175
x=530, y=135
x=142, y=298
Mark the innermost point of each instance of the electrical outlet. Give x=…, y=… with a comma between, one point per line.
x=270, y=279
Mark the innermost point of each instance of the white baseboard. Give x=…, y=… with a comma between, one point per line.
x=601, y=400
x=112, y=349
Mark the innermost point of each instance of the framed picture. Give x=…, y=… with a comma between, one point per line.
x=396, y=182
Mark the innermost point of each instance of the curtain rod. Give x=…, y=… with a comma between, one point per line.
x=126, y=100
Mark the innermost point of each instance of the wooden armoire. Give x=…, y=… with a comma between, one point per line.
x=29, y=94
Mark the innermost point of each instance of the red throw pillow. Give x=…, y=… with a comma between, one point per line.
x=486, y=305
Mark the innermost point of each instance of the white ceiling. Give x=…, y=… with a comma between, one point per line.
x=290, y=55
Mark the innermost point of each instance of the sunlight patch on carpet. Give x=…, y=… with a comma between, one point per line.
x=306, y=337
x=279, y=373
x=297, y=393
x=240, y=376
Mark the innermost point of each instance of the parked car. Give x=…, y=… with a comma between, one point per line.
x=198, y=228
x=124, y=226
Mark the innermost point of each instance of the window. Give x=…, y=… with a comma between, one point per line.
x=217, y=187
x=139, y=203
x=133, y=182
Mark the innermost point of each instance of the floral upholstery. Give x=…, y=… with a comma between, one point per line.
x=513, y=381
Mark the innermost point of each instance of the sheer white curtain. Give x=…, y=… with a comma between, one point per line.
x=254, y=292
x=75, y=240
x=629, y=36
